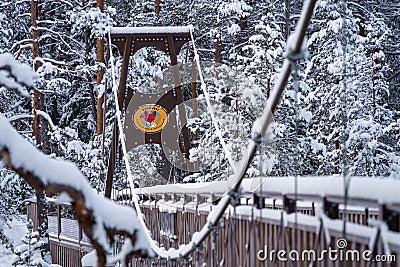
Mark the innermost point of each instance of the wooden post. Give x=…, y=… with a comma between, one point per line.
x=194, y=98
x=258, y=201
x=91, y=89
x=111, y=163
x=115, y=136
x=289, y=205
x=331, y=209
x=194, y=106
x=128, y=44
x=179, y=96
x=58, y=221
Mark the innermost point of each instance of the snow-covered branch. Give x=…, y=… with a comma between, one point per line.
x=21, y=48
x=74, y=5
x=62, y=39
x=15, y=75
x=100, y=218
x=20, y=117
x=21, y=42
x=52, y=61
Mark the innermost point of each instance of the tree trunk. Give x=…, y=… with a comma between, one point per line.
x=157, y=6
x=89, y=79
x=40, y=127
x=217, y=44
x=217, y=48
x=287, y=18
x=43, y=224
x=35, y=52
x=100, y=74
x=194, y=107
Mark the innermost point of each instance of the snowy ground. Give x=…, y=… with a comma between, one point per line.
x=15, y=231
x=6, y=256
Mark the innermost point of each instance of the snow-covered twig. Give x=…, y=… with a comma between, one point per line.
x=21, y=42
x=55, y=62
x=21, y=48
x=210, y=107
x=20, y=117
x=62, y=37
x=72, y=4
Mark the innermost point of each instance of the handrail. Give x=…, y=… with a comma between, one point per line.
x=365, y=192
x=58, y=204
x=369, y=191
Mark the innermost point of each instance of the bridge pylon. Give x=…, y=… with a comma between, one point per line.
x=129, y=40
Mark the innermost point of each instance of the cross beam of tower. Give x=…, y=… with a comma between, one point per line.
x=128, y=41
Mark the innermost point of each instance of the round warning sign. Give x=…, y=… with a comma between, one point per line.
x=150, y=118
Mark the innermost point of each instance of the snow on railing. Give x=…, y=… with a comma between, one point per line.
x=322, y=196
x=318, y=207
x=368, y=189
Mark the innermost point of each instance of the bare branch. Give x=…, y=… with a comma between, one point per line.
x=53, y=127
x=397, y=73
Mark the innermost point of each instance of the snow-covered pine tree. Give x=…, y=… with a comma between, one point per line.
x=343, y=103
x=28, y=254
x=374, y=136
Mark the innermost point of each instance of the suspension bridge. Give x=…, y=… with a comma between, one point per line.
x=262, y=221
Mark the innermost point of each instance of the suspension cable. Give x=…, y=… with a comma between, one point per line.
x=346, y=177
x=209, y=106
x=123, y=144
x=236, y=179
x=295, y=74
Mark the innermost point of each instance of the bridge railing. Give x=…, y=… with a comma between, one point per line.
x=367, y=198
x=268, y=214
x=68, y=243
x=274, y=216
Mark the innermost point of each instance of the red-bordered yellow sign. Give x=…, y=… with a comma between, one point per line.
x=150, y=118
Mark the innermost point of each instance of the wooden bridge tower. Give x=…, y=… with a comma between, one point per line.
x=128, y=41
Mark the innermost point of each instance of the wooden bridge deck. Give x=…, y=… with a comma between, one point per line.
x=262, y=220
